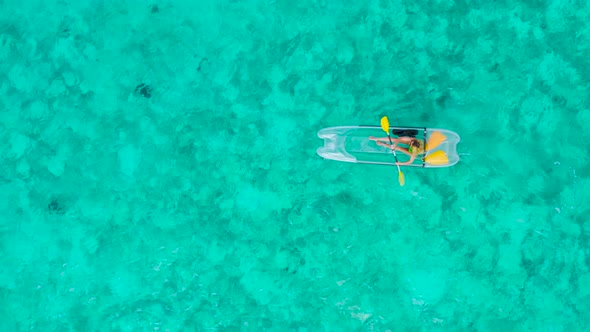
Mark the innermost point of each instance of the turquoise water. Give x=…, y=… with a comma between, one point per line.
x=158, y=168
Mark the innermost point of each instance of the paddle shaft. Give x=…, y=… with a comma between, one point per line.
x=393, y=150
x=385, y=127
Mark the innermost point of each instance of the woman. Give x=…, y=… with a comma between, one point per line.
x=415, y=146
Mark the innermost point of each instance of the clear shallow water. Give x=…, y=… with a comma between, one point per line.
x=159, y=168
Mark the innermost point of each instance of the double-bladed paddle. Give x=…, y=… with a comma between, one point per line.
x=385, y=126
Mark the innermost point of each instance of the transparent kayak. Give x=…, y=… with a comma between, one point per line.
x=352, y=144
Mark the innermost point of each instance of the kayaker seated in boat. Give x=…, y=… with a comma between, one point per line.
x=414, y=147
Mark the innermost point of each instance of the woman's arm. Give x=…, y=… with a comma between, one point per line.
x=397, y=148
x=412, y=158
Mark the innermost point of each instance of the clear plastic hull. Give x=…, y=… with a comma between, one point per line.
x=352, y=144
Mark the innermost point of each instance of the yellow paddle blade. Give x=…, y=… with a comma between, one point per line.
x=437, y=158
x=434, y=140
x=401, y=179
x=385, y=124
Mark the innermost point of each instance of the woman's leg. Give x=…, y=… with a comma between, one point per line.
x=382, y=139
x=385, y=145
